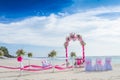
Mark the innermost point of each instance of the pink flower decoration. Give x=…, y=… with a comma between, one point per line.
x=74, y=39
x=19, y=59
x=67, y=39
x=99, y=62
x=72, y=35
x=80, y=39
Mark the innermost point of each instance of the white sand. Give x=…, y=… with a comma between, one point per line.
x=76, y=74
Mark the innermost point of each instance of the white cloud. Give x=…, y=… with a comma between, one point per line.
x=52, y=30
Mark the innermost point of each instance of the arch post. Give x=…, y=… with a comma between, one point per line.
x=66, y=49
x=83, y=53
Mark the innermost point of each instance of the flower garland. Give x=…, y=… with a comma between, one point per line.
x=74, y=37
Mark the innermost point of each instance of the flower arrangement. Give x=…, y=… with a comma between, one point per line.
x=74, y=37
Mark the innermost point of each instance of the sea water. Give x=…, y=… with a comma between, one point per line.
x=114, y=59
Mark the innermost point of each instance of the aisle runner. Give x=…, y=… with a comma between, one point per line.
x=37, y=68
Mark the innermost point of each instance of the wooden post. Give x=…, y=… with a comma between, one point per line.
x=53, y=65
x=21, y=67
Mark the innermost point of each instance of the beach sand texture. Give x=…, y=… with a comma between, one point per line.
x=76, y=74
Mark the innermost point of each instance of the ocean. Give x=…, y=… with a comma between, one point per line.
x=114, y=59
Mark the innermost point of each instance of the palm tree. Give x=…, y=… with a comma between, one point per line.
x=1, y=53
x=29, y=55
x=73, y=54
x=49, y=55
x=52, y=54
x=20, y=52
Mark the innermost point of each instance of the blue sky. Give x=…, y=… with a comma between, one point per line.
x=39, y=26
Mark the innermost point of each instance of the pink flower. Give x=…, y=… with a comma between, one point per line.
x=19, y=59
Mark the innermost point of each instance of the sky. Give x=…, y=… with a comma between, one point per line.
x=40, y=26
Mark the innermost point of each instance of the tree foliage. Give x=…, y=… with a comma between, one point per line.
x=6, y=52
x=73, y=54
x=20, y=52
x=29, y=54
x=53, y=53
x=1, y=53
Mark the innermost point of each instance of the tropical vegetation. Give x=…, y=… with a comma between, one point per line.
x=53, y=53
x=29, y=54
x=72, y=54
x=6, y=52
x=1, y=53
x=20, y=52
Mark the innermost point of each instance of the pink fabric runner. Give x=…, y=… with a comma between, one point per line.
x=37, y=68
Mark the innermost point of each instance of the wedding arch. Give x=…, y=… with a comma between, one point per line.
x=74, y=37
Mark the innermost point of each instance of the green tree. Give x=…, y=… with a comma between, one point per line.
x=49, y=55
x=1, y=53
x=53, y=53
x=6, y=52
x=20, y=52
x=73, y=54
x=29, y=54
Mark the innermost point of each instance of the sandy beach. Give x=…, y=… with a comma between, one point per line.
x=76, y=74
